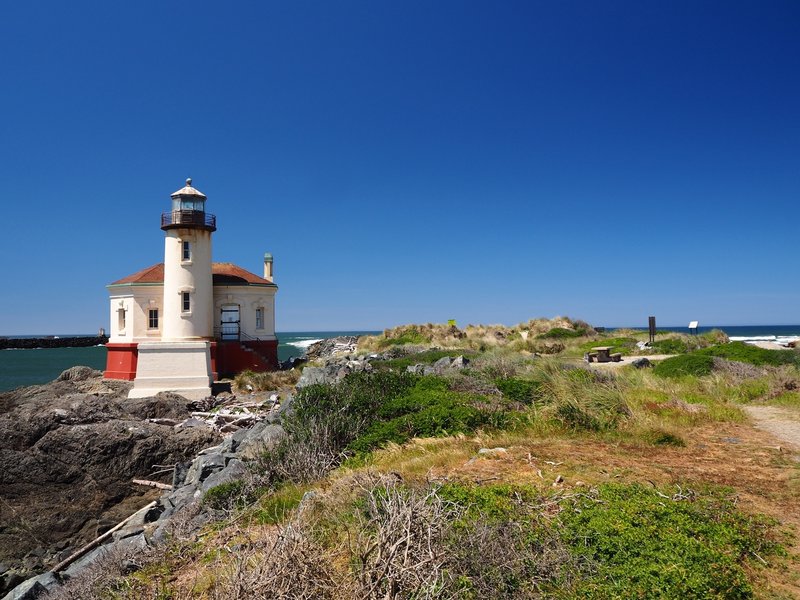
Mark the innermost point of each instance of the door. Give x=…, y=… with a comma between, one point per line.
x=229, y=321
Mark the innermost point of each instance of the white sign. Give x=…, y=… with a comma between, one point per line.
x=693, y=325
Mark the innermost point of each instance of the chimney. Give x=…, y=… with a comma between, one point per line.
x=268, y=266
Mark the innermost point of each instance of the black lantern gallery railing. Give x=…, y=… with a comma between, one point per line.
x=188, y=218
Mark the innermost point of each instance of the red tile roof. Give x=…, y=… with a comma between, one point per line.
x=222, y=273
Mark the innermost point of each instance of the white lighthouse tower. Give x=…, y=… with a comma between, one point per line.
x=181, y=360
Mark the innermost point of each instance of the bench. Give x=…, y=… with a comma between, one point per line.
x=590, y=357
x=616, y=357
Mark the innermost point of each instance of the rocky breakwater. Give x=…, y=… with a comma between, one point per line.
x=69, y=451
x=53, y=342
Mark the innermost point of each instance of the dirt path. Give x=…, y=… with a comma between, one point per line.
x=782, y=423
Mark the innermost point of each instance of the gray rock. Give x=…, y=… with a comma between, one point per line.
x=235, y=470
x=311, y=376
x=33, y=587
x=203, y=466
x=86, y=560
x=193, y=422
x=179, y=474
x=459, y=362
x=263, y=436
x=78, y=374
x=442, y=364
x=641, y=363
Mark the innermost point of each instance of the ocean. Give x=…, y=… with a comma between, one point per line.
x=41, y=365
x=32, y=367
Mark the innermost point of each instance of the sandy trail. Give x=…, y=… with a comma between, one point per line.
x=782, y=423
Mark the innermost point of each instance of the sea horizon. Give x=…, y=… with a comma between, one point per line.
x=23, y=367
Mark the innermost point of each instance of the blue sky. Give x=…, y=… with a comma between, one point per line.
x=488, y=162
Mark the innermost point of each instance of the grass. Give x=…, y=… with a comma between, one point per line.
x=600, y=533
x=426, y=357
x=687, y=364
x=747, y=353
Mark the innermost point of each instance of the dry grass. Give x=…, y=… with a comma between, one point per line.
x=473, y=337
x=265, y=381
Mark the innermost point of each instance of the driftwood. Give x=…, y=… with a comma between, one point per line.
x=155, y=484
x=97, y=541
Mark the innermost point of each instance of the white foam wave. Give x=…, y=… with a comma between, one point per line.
x=303, y=344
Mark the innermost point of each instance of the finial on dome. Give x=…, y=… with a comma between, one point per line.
x=188, y=181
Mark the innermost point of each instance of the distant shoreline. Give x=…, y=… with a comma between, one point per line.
x=25, y=343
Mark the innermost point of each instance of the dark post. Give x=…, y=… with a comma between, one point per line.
x=651, y=322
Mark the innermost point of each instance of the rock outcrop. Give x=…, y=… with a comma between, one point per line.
x=68, y=453
x=332, y=347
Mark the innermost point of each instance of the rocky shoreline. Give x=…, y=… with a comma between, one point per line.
x=198, y=447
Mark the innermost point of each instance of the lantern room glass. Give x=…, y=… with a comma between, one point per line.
x=185, y=203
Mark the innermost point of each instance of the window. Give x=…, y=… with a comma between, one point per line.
x=187, y=251
x=152, y=318
x=259, y=318
x=121, y=320
x=187, y=305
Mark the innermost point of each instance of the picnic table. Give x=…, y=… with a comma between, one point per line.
x=603, y=353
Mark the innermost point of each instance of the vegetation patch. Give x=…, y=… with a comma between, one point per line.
x=428, y=357
x=561, y=333
x=644, y=543
x=686, y=364
x=429, y=409
x=519, y=390
x=747, y=353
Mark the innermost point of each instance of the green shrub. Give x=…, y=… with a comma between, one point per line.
x=429, y=409
x=562, y=333
x=670, y=346
x=685, y=364
x=645, y=545
x=747, y=353
x=615, y=541
x=520, y=390
x=426, y=358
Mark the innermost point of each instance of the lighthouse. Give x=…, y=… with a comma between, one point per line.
x=181, y=360
x=178, y=324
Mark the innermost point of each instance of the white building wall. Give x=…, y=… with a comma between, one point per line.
x=136, y=300
x=248, y=299
x=193, y=276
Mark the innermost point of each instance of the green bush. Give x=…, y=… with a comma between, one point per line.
x=645, y=545
x=428, y=409
x=685, y=364
x=615, y=541
x=426, y=358
x=670, y=346
x=562, y=333
x=747, y=353
x=520, y=390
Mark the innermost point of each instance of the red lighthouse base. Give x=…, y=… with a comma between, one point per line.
x=231, y=357
x=121, y=361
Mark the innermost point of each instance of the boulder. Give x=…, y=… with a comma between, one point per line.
x=33, y=587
